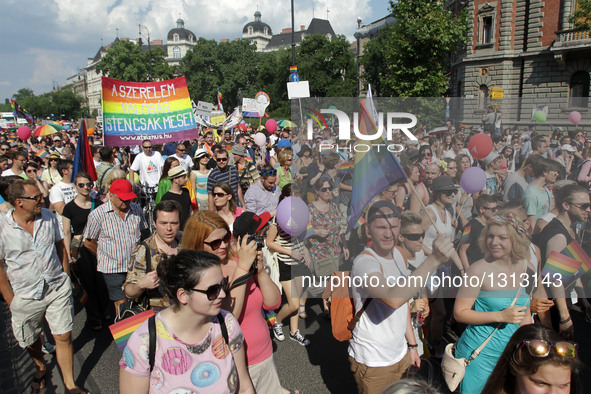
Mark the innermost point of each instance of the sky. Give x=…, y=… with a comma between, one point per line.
x=44, y=42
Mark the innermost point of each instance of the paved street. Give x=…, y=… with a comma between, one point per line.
x=320, y=368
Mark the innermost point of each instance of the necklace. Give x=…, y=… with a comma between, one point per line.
x=199, y=349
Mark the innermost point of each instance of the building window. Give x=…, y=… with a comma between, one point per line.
x=487, y=29
x=266, y=31
x=250, y=30
x=175, y=37
x=191, y=38
x=176, y=52
x=483, y=97
x=579, y=89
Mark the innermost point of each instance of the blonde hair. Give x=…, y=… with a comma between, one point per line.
x=283, y=156
x=199, y=226
x=520, y=244
x=116, y=173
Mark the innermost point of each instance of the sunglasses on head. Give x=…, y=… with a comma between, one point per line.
x=541, y=348
x=215, y=245
x=213, y=291
x=221, y=159
x=87, y=184
x=414, y=237
x=37, y=198
x=270, y=172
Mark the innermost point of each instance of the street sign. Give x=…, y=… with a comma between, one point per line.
x=496, y=93
x=299, y=89
x=203, y=109
x=294, y=77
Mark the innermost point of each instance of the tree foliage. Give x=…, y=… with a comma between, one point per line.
x=60, y=104
x=127, y=62
x=581, y=18
x=410, y=57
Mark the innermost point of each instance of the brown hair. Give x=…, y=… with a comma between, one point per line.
x=228, y=190
x=199, y=226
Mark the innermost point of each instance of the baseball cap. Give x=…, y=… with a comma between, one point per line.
x=492, y=156
x=176, y=172
x=200, y=153
x=568, y=148
x=122, y=189
x=250, y=223
x=443, y=183
x=376, y=211
x=238, y=150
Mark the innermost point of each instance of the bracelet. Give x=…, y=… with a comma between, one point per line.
x=243, y=269
x=415, y=346
x=566, y=320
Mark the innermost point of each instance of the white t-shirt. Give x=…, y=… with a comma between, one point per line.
x=9, y=172
x=62, y=192
x=379, y=337
x=149, y=168
x=184, y=161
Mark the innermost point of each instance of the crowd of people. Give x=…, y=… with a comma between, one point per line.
x=212, y=260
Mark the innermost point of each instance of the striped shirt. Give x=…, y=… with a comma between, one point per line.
x=228, y=176
x=116, y=237
x=31, y=260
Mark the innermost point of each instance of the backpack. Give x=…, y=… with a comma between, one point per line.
x=574, y=176
x=341, y=305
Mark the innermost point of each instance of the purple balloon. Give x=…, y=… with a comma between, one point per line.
x=293, y=215
x=473, y=180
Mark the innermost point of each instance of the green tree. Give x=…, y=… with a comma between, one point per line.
x=415, y=49
x=127, y=62
x=581, y=18
x=328, y=65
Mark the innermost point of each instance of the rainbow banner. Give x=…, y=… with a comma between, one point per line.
x=122, y=330
x=559, y=264
x=466, y=235
x=136, y=111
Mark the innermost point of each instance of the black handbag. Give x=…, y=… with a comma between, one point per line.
x=130, y=307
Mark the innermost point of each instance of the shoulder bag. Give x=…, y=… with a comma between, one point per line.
x=131, y=307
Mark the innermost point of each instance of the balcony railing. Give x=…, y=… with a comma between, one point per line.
x=572, y=39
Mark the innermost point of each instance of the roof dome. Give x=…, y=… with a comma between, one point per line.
x=184, y=34
x=257, y=26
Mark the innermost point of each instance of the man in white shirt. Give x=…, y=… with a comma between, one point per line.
x=384, y=344
x=64, y=191
x=183, y=158
x=148, y=164
x=18, y=162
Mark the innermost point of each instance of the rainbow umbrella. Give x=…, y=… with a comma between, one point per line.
x=47, y=129
x=286, y=123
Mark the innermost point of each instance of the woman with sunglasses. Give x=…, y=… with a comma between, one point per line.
x=191, y=350
x=536, y=360
x=51, y=175
x=75, y=217
x=225, y=203
x=284, y=175
x=201, y=172
x=499, y=303
x=165, y=184
x=251, y=289
x=31, y=171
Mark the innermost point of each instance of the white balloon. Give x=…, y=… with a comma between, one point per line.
x=260, y=139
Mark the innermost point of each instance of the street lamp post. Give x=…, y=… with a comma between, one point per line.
x=149, y=51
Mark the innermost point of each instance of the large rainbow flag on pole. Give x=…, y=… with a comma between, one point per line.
x=135, y=111
x=374, y=170
x=19, y=112
x=83, y=157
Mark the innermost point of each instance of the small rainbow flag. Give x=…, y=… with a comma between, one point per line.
x=42, y=154
x=309, y=231
x=558, y=263
x=347, y=166
x=575, y=251
x=293, y=69
x=269, y=317
x=466, y=235
x=122, y=330
x=248, y=158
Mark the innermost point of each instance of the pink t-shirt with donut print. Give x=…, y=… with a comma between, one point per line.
x=205, y=367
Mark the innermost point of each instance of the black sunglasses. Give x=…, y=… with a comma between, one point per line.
x=214, y=291
x=326, y=189
x=37, y=198
x=492, y=209
x=181, y=150
x=450, y=192
x=584, y=207
x=147, y=147
x=215, y=245
x=219, y=194
x=414, y=237
x=221, y=159
x=87, y=184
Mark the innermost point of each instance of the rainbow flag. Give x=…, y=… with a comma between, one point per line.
x=42, y=154
x=134, y=111
x=575, y=251
x=309, y=231
x=466, y=235
x=220, y=106
x=374, y=169
x=122, y=330
x=83, y=157
x=19, y=112
x=348, y=166
x=293, y=69
x=560, y=264
x=248, y=158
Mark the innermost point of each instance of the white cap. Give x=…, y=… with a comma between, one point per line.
x=568, y=148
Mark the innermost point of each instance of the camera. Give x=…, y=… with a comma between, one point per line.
x=259, y=240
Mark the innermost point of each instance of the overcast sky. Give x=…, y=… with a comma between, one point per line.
x=46, y=41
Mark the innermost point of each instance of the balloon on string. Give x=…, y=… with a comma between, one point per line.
x=480, y=146
x=574, y=117
x=540, y=116
x=242, y=127
x=260, y=139
x=293, y=215
x=24, y=133
x=90, y=131
x=473, y=180
x=271, y=125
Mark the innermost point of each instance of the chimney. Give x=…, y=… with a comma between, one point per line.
x=302, y=27
x=286, y=30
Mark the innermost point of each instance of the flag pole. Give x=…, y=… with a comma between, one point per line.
x=414, y=193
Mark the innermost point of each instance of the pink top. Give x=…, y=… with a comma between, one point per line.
x=584, y=173
x=257, y=340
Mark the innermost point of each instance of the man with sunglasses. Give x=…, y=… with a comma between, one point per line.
x=384, y=344
x=113, y=230
x=36, y=283
x=148, y=164
x=469, y=251
x=182, y=156
x=263, y=196
x=223, y=173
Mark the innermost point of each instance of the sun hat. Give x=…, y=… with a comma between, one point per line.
x=176, y=172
